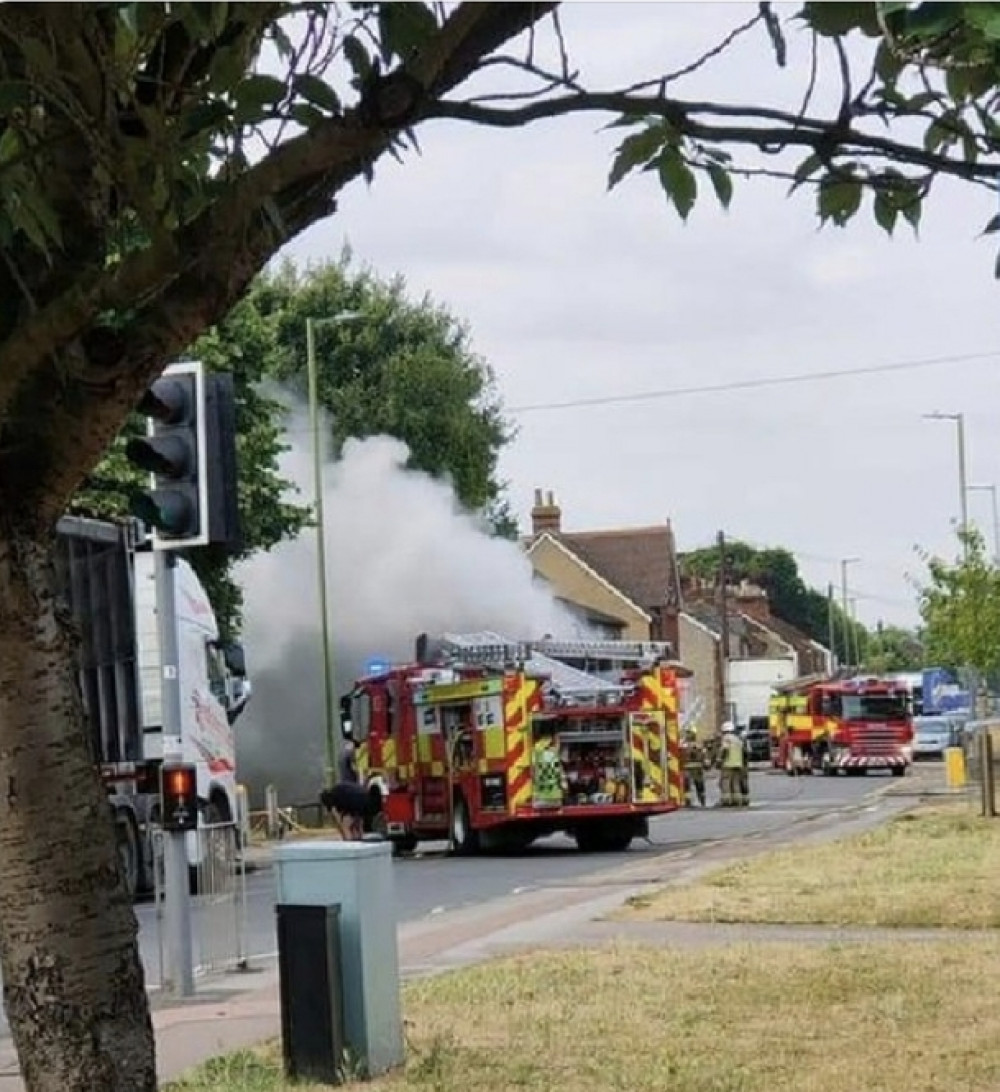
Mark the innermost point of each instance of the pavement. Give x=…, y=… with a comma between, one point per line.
x=240, y=1010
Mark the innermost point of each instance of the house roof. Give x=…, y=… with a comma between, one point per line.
x=794, y=636
x=742, y=627
x=616, y=589
x=641, y=561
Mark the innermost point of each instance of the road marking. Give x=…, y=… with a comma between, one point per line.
x=437, y=910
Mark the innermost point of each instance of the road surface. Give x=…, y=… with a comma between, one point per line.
x=433, y=881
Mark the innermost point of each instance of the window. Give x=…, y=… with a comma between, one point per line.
x=874, y=707
x=361, y=715
x=215, y=665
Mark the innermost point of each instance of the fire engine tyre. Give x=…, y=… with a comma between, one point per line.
x=898, y=771
x=464, y=839
x=129, y=852
x=407, y=843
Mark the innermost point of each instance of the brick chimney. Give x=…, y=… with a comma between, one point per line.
x=546, y=515
x=752, y=600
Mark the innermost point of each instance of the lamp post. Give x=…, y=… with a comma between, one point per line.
x=331, y=720
x=845, y=605
x=992, y=490
x=959, y=419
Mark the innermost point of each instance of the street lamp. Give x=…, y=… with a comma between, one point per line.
x=845, y=605
x=959, y=419
x=331, y=720
x=992, y=490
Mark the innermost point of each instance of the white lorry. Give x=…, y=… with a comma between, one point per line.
x=107, y=578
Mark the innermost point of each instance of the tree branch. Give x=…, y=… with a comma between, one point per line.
x=802, y=132
x=169, y=299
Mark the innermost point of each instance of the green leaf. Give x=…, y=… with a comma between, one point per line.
x=260, y=90
x=206, y=116
x=722, y=181
x=10, y=144
x=774, y=32
x=985, y=18
x=404, y=28
x=887, y=64
x=886, y=211
x=357, y=57
x=911, y=206
x=808, y=167
x=678, y=181
x=835, y=20
x=635, y=149
x=838, y=199
x=306, y=115
x=317, y=91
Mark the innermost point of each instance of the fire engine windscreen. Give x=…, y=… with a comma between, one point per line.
x=403, y=558
x=880, y=707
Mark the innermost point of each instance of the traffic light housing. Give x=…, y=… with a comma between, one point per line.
x=189, y=452
x=179, y=797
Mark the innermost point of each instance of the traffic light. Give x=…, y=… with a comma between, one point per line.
x=179, y=797
x=190, y=453
x=173, y=452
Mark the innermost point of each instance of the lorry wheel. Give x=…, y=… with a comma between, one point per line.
x=463, y=837
x=898, y=771
x=127, y=839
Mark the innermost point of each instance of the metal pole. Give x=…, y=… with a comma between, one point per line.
x=996, y=526
x=963, y=490
x=856, y=632
x=723, y=630
x=831, y=627
x=177, y=892
x=329, y=706
x=844, y=607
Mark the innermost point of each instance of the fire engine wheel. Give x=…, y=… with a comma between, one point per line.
x=898, y=771
x=464, y=839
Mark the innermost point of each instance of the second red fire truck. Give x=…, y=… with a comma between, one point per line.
x=492, y=744
x=849, y=725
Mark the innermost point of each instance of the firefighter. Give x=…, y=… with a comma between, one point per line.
x=694, y=768
x=732, y=769
x=548, y=776
x=353, y=807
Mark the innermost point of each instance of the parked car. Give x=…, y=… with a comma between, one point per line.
x=757, y=740
x=931, y=735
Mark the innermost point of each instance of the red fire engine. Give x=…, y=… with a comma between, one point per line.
x=464, y=742
x=854, y=725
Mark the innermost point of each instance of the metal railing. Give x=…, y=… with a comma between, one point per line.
x=219, y=898
x=981, y=747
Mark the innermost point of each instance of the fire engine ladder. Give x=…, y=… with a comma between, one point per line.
x=618, y=651
x=575, y=687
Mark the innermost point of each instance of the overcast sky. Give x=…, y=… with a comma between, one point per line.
x=572, y=292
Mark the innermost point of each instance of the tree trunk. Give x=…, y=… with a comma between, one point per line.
x=73, y=983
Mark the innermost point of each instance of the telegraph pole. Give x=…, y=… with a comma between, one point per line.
x=831, y=627
x=723, y=630
x=845, y=606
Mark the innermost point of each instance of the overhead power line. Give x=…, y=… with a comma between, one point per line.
x=753, y=384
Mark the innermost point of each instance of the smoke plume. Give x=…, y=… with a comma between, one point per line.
x=402, y=558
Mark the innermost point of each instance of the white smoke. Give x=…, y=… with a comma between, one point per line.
x=403, y=558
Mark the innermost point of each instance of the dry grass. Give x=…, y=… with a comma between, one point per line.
x=898, y=1017
x=934, y=867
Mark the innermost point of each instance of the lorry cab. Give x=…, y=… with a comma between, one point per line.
x=214, y=689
